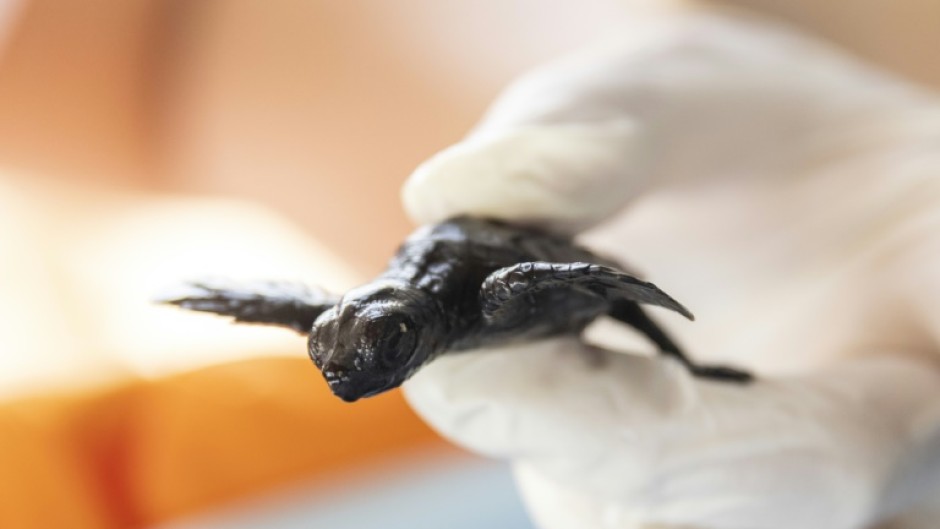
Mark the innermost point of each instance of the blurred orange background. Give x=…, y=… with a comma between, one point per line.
x=146, y=141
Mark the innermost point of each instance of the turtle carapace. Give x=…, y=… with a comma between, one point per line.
x=461, y=284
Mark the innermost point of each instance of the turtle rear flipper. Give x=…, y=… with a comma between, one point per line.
x=633, y=315
x=288, y=304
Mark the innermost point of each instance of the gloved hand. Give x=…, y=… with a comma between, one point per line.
x=787, y=195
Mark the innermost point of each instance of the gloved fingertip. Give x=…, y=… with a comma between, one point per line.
x=569, y=176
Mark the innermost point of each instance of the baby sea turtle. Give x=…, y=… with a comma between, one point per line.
x=461, y=284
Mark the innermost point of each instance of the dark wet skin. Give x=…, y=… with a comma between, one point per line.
x=462, y=284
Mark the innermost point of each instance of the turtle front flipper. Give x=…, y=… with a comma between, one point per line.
x=288, y=304
x=506, y=285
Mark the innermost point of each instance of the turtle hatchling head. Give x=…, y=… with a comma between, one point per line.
x=374, y=339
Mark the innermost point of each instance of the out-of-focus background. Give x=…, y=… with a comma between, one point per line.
x=145, y=141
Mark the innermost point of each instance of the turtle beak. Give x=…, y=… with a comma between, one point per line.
x=349, y=385
x=337, y=377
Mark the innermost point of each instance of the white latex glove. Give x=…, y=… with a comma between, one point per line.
x=787, y=195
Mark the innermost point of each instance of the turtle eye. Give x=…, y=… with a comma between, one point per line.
x=398, y=345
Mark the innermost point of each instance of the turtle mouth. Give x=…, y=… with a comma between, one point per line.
x=343, y=390
x=354, y=394
x=374, y=392
x=344, y=395
x=350, y=390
